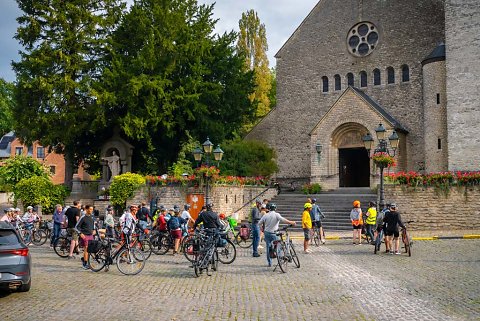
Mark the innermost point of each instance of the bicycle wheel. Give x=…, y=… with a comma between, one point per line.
x=282, y=257
x=214, y=261
x=156, y=245
x=406, y=241
x=62, y=247
x=228, y=253
x=27, y=237
x=196, y=268
x=130, y=261
x=243, y=243
x=316, y=237
x=294, y=256
x=164, y=245
x=97, y=261
x=188, y=249
x=146, y=247
x=39, y=237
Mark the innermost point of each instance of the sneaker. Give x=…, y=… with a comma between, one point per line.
x=323, y=242
x=269, y=264
x=306, y=252
x=260, y=247
x=256, y=255
x=72, y=257
x=85, y=266
x=391, y=252
x=398, y=253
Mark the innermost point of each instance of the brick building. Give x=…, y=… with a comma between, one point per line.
x=10, y=146
x=354, y=64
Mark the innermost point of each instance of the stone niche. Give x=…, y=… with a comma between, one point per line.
x=115, y=146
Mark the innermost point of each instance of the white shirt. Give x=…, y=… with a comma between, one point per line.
x=127, y=222
x=272, y=220
x=186, y=215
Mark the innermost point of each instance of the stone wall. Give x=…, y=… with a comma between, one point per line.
x=226, y=199
x=431, y=209
x=462, y=25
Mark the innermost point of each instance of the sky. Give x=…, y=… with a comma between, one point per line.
x=281, y=18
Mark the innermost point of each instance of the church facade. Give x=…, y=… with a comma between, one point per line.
x=410, y=65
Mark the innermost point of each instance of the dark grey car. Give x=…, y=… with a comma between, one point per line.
x=15, y=260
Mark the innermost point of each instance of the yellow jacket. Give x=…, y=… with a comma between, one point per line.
x=306, y=220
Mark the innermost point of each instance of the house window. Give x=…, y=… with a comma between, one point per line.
x=405, y=73
x=439, y=143
x=325, y=84
x=338, y=82
x=438, y=99
x=390, y=75
x=52, y=169
x=40, y=152
x=376, y=77
x=363, y=79
x=18, y=150
x=350, y=79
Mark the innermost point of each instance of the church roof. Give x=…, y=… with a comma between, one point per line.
x=438, y=54
x=373, y=105
x=395, y=123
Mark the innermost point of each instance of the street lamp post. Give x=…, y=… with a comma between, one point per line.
x=208, y=151
x=382, y=147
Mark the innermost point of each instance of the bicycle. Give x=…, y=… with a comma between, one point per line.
x=129, y=260
x=226, y=249
x=206, y=257
x=285, y=250
x=62, y=247
x=245, y=240
x=407, y=241
x=317, y=235
x=25, y=232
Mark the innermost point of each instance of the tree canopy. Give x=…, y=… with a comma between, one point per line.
x=169, y=74
x=252, y=43
x=15, y=169
x=64, y=48
x=6, y=106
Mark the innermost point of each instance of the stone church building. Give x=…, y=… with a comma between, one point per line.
x=411, y=65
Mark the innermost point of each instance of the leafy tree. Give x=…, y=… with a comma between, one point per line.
x=124, y=186
x=169, y=74
x=272, y=94
x=248, y=158
x=6, y=105
x=39, y=190
x=252, y=43
x=21, y=167
x=64, y=48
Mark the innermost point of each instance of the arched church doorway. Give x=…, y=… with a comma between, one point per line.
x=354, y=167
x=353, y=158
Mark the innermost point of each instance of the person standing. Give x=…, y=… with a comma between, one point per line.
x=271, y=221
x=109, y=221
x=318, y=216
x=143, y=216
x=356, y=218
x=73, y=215
x=175, y=226
x=307, y=226
x=186, y=215
x=371, y=220
x=85, y=229
x=58, y=222
x=255, y=227
x=209, y=218
x=392, y=220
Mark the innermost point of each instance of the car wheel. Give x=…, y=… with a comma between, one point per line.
x=25, y=287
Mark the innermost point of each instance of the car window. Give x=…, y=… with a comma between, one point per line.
x=8, y=237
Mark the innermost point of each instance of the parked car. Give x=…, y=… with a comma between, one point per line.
x=15, y=260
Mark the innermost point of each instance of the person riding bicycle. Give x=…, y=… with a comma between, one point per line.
x=392, y=220
x=318, y=216
x=271, y=221
x=209, y=219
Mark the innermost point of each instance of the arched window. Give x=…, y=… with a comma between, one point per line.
x=350, y=79
x=338, y=82
x=325, y=84
x=376, y=77
x=390, y=75
x=405, y=73
x=363, y=79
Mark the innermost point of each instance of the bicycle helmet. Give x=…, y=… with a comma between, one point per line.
x=314, y=200
x=393, y=205
x=356, y=203
x=307, y=205
x=187, y=207
x=176, y=209
x=209, y=207
x=272, y=206
x=221, y=216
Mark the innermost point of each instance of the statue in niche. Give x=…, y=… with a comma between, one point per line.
x=113, y=164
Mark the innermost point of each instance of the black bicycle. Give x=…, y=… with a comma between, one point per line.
x=206, y=254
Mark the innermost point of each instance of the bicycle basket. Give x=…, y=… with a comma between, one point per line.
x=94, y=246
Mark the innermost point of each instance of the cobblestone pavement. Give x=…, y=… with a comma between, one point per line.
x=338, y=281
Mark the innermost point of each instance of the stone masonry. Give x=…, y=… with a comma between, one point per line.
x=434, y=209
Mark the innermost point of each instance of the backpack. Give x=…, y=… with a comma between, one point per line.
x=173, y=223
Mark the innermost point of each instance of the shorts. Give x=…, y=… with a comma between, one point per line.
x=317, y=224
x=176, y=234
x=357, y=227
x=395, y=233
x=306, y=233
x=71, y=232
x=84, y=242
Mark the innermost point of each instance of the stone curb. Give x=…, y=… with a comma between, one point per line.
x=415, y=238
